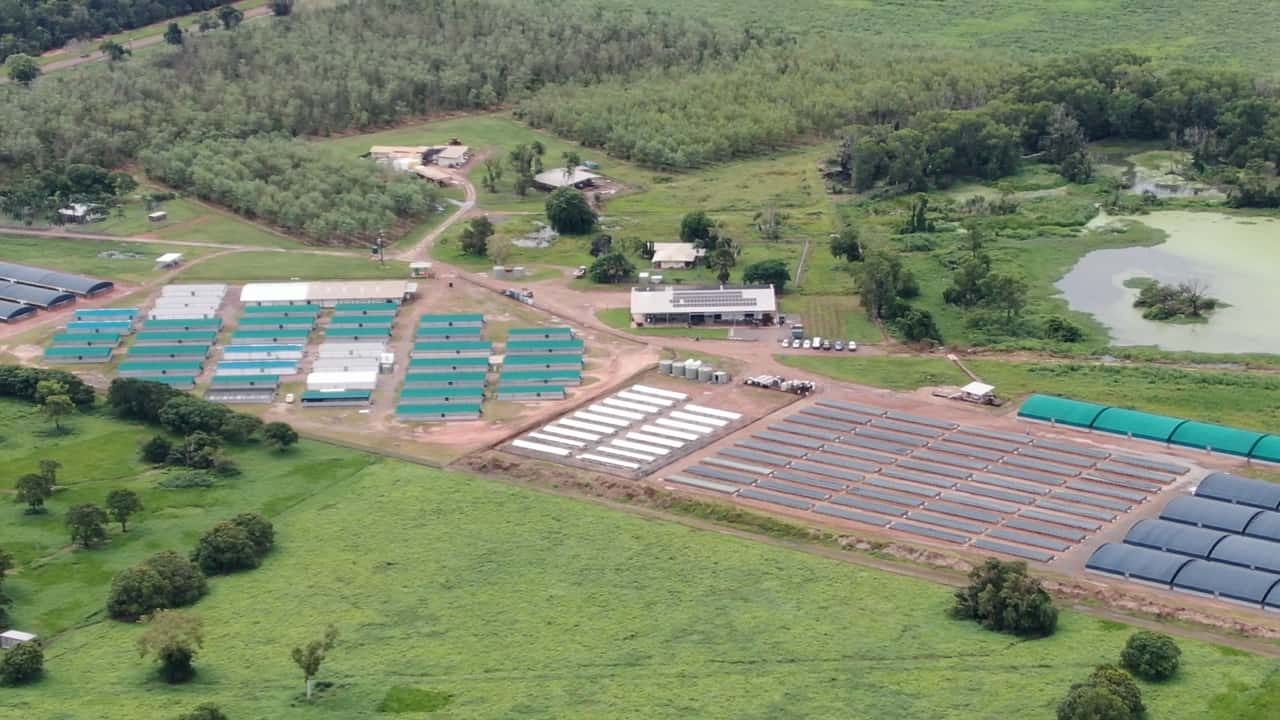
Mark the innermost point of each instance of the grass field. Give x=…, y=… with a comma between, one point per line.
x=253, y=266
x=86, y=256
x=190, y=221
x=1246, y=400
x=504, y=602
x=835, y=317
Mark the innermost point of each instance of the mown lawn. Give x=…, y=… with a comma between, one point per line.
x=131, y=262
x=1247, y=400
x=827, y=316
x=252, y=266
x=519, y=604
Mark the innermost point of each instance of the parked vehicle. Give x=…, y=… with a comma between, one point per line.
x=580, y=272
x=826, y=344
x=838, y=346
x=807, y=344
x=797, y=332
x=817, y=343
x=853, y=346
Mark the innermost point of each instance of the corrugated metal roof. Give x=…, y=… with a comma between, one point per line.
x=574, y=344
x=1240, y=490
x=337, y=394
x=1062, y=410
x=1137, y=562
x=453, y=345
x=1138, y=424
x=1220, y=438
x=53, y=279
x=437, y=409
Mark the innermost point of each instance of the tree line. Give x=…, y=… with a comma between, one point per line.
x=35, y=26
x=352, y=66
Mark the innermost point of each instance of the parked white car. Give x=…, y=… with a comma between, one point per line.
x=807, y=344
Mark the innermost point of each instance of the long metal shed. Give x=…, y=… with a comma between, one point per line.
x=175, y=337
x=255, y=322
x=1174, y=537
x=1133, y=423
x=358, y=334
x=1203, y=512
x=1268, y=449
x=241, y=382
x=444, y=394
x=362, y=321
x=1137, y=563
x=106, y=313
x=173, y=352
x=445, y=334
x=115, y=327
x=571, y=346
x=1218, y=438
x=67, y=339
x=31, y=295
x=1049, y=408
x=77, y=355
x=282, y=310
x=449, y=364
x=518, y=378
x=264, y=337
x=427, y=412
x=336, y=398
x=541, y=362
x=521, y=393
x=54, y=280
x=471, y=348
x=1226, y=581
x=560, y=332
x=1240, y=490
x=142, y=368
x=452, y=320
x=212, y=323
x=13, y=312
x=366, y=309
x=455, y=379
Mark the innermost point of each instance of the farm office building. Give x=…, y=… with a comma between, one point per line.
x=667, y=304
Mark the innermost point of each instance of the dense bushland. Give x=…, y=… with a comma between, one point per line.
x=34, y=26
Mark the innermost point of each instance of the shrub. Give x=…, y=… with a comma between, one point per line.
x=198, y=450
x=87, y=524
x=165, y=580
x=569, y=213
x=22, y=664
x=259, y=529
x=184, y=414
x=1151, y=656
x=156, y=450
x=21, y=382
x=279, y=435
x=204, y=711
x=611, y=268
x=225, y=548
x=173, y=638
x=767, y=272
x=1059, y=328
x=238, y=428
x=1002, y=597
x=187, y=479
x=1090, y=702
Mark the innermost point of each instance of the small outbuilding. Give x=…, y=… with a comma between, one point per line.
x=13, y=638
x=81, y=213
x=157, y=216
x=558, y=178
x=168, y=260
x=977, y=392
x=676, y=255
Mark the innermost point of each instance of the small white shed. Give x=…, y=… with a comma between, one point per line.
x=169, y=260
x=13, y=638
x=978, y=392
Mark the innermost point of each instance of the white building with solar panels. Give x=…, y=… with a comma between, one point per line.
x=671, y=305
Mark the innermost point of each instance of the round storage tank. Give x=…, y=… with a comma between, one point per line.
x=705, y=373
x=721, y=378
x=689, y=369
x=664, y=367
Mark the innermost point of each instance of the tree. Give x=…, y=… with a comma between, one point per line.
x=281, y=8
x=22, y=69
x=48, y=469
x=569, y=213
x=967, y=288
x=918, y=220
x=173, y=638
x=696, y=227
x=1064, y=144
x=225, y=548
x=1005, y=292
x=611, y=268
x=311, y=656
x=33, y=490
x=722, y=260
x=1120, y=684
x=204, y=711
x=198, y=450
x=156, y=450
x=845, y=244
x=259, y=530
x=571, y=162
x=6, y=564
x=601, y=245
x=492, y=175
x=87, y=524
x=185, y=415
x=475, y=236
x=767, y=272
x=239, y=428
x=173, y=34
x=917, y=325
x=231, y=16
x=114, y=51
x=57, y=408
x=500, y=250
x=206, y=23
x=279, y=436
x=1151, y=656
x=22, y=664
x=182, y=581
x=122, y=503
x=879, y=281
x=1002, y=597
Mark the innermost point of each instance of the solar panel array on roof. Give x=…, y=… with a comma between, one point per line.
x=907, y=428
x=836, y=415
x=859, y=453
x=852, y=407
x=872, y=505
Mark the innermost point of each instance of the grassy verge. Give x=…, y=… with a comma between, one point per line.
x=536, y=606
x=620, y=318
x=895, y=373
x=828, y=316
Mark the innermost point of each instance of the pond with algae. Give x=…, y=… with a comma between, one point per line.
x=1237, y=257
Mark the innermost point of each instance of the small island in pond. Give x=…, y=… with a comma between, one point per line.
x=1173, y=302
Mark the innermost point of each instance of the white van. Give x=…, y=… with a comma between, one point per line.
x=817, y=343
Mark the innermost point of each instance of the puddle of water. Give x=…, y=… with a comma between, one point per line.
x=540, y=238
x=1238, y=257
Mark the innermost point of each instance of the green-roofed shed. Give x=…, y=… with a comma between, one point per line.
x=366, y=309
x=1137, y=424
x=356, y=334
x=336, y=398
x=74, y=355
x=425, y=412
x=572, y=346
x=246, y=381
x=1219, y=438
x=514, y=378
x=176, y=337
x=135, y=368
x=291, y=335
x=362, y=321
x=541, y=362
x=73, y=339
x=254, y=322
x=287, y=310
x=457, y=320
x=450, y=333
x=1268, y=449
x=445, y=379
x=169, y=351
x=444, y=394
x=449, y=364
x=528, y=393
x=545, y=333
x=1060, y=410
x=452, y=348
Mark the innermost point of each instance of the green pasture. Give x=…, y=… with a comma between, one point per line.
x=260, y=266
x=93, y=257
